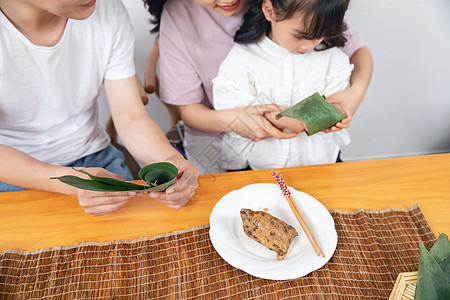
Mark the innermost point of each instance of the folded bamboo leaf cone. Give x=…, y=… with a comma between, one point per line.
x=315, y=112
x=161, y=175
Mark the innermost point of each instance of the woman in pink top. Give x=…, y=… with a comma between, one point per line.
x=194, y=38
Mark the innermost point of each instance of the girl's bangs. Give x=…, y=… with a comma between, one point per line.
x=321, y=18
x=326, y=20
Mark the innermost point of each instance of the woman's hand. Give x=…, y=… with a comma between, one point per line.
x=177, y=195
x=102, y=203
x=250, y=122
x=292, y=124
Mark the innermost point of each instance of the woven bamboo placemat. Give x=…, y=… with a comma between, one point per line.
x=373, y=248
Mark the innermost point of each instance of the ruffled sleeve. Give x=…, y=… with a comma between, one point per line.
x=235, y=87
x=235, y=84
x=339, y=72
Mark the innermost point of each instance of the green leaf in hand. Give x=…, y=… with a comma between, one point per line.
x=315, y=112
x=99, y=184
x=158, y=176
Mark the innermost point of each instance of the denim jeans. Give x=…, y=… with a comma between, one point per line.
x=109, y=158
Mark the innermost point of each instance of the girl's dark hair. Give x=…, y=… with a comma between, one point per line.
x=155, y=8
x=322, y=19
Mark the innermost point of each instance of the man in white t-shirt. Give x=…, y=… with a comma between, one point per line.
x=55, y=55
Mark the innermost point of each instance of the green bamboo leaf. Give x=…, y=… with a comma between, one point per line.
x=315, y=112
x=159, y=175
x=441, y=253
x=92, y=185
x=431, y=279
x=113, y=182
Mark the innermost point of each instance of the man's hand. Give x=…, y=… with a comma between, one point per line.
x=102, y=203
x=178, y=194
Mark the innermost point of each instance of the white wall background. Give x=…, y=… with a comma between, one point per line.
x=407, y=107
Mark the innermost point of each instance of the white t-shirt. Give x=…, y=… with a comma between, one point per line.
x=48, y=106
x=263, y=73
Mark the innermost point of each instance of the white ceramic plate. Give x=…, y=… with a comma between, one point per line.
x=233, y=245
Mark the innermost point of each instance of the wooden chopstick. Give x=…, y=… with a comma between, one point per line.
x=296, y=210
x=302, y=221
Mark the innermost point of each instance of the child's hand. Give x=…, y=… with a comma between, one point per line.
x=346, y=101
x=292, y=124
x=345, y=123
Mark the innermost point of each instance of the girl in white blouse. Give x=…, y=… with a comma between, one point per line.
x=286, y=51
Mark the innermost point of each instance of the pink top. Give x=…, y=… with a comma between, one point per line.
x=193, y=43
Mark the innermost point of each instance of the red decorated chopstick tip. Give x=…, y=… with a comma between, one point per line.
x=280, y=182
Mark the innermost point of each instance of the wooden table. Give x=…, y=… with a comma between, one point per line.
x=32, y=219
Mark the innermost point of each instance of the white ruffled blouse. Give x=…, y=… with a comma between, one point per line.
x=263, y=73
